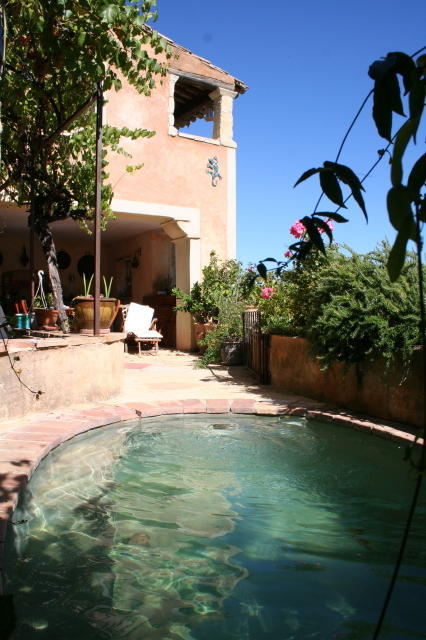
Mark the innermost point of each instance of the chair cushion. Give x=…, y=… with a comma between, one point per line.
x=138, y=321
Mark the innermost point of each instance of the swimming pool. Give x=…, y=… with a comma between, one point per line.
x=205, y=527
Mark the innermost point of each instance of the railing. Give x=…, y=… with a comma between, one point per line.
x=256, y=346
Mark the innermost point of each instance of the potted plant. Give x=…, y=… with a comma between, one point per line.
x=84, y=308
x=225, y=343
x=202, y=309
x=46, y=313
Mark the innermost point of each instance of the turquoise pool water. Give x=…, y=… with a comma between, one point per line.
x=217, y=527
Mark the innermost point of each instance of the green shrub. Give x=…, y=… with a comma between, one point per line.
x=356, y=313
x=218, y=280
x=285, y=313
x=346, y=306
x=229, y=325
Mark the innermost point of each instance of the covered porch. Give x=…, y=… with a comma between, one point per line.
x=148, y=249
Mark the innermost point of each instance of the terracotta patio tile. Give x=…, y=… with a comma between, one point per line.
x=243, y=405
x=322, y=416
x=218, y=406
x=297, y=411
x=30, y=457
x=145, y=409
x=26, y=436
x=10, y=480
x=125, y=413
x=15, y=468
x=270, y=408
x=171, y=407
x=194, y=406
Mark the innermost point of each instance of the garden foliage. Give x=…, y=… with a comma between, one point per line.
x=347, y=306
x=219, y=298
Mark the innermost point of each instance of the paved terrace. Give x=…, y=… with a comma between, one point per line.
x=165, y=384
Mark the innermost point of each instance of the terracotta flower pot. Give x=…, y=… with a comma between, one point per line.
x=84, y=312
x=200, y=330
x=47, y=319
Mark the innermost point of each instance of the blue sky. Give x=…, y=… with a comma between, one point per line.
x=306, y=65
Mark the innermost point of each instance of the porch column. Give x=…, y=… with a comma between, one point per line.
x=188, y=259
x=224, y=121
x=185, y=235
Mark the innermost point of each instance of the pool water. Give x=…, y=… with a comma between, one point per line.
x=217, y=527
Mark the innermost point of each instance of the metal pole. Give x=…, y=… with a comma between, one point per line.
x=98, y=207
x=32, y=261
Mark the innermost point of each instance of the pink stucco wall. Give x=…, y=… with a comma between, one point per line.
x=174, y=171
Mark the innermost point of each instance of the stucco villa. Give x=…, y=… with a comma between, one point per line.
x=170, y=214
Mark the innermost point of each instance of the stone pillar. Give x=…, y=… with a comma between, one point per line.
x=185, y=235
x=187, y=273
x=172, y=81
x=223, y=100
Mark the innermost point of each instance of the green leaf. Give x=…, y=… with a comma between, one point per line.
x=404, y=65
x=322, y=224
x=345, y=174
x=306, y=175
x=382, y=109
x=400, y=212
x=330, y=186
x=261, y=269
x=357, y=195
x=110, y=13
x=397, y=256
x=395, y=94
x=304, y=250
x=81, y=38
x=313, y=233
x=332, y=215
x=422, y=210
x=417, y=177
x=401, y=141
x=416, y=98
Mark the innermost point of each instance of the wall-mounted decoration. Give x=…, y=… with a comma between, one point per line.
x=64, y=259
x=23, y=258
x=213, y=170
x=136, y=258
x=86, y=265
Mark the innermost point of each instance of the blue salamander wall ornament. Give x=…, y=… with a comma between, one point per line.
x=213, y=170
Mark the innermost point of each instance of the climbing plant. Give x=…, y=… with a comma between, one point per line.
x=406, y=203
x=406, y=206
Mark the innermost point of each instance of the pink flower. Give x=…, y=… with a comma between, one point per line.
x=297, y=229
x=288, y=254
x=267, y=292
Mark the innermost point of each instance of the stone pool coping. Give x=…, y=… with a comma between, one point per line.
x=28, y=440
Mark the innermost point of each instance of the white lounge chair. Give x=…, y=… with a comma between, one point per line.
x=139, y=324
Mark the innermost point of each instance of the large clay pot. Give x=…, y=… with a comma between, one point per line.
x=84, y=312
x=200, y=330
x=47, y=319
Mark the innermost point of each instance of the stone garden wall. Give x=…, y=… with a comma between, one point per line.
x=395, y=394
x=70, y=370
